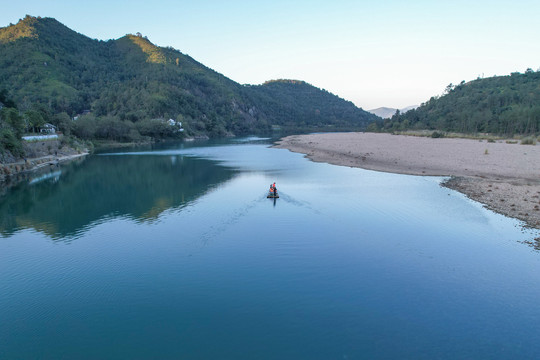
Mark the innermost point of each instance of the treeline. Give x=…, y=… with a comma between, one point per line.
x=504, y=105
x=14, y=123
x=90, y=127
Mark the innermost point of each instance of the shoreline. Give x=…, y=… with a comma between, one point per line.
x=12, y=170
x=504, y=177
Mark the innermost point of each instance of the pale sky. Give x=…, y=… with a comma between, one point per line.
x=373, y=53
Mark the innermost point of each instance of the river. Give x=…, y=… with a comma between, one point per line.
x=175, y=252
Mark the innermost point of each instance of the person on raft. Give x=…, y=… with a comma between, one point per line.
x=273, y=189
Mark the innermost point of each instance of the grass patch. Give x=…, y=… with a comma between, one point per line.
x=454, y=135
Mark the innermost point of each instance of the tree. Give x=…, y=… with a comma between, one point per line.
x=13, y=120
x=34, y=120
x=63, y=122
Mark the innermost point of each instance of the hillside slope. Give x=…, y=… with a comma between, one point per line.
x=297, y=103
x=504, y=105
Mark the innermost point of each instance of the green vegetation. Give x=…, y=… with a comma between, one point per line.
x=503, y=105
x=129, y=88
x=12, y=126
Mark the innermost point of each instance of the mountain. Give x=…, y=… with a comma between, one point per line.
x=125, y=83
x=504, y=105
x=387, y=113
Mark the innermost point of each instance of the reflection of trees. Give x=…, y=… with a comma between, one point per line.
x=140, y=187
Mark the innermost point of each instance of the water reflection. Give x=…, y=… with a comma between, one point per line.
x=53, y=176
x=61, y=202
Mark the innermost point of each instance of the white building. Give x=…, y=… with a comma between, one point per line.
x=48, y=129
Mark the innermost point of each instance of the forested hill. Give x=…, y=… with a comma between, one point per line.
x=504, y=105
x=319, y=107
x=50, y=69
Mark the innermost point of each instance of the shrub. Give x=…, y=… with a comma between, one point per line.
x=10, y=142
x=111, y=128
x=528, y=141
x=156, y=128
x=437, y=134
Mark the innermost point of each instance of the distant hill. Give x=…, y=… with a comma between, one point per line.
x=124, y=83
x=505, y=105
x=295, y=103
x=383, y=112
x=387, y=113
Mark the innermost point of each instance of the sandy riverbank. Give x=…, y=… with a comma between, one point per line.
x=503, y=176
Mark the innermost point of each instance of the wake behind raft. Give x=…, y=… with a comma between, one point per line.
x=272, y=193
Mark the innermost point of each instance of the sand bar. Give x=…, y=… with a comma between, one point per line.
x=503, y=176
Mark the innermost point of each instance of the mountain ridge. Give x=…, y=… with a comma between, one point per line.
x=131, y=79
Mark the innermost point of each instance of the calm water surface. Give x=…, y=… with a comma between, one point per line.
x=175, y=253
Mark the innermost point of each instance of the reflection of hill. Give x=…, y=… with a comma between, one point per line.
x=140, y=187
